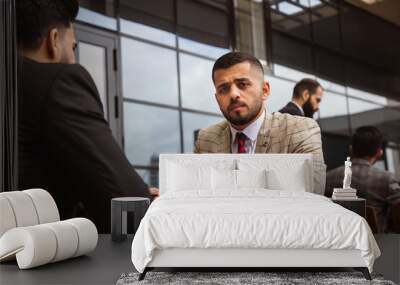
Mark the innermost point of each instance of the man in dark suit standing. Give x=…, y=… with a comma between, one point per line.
x=65, y=144
x=307, y=95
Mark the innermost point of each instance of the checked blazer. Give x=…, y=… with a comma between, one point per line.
x=280, y=133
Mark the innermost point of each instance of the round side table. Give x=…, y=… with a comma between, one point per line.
x=119, y=209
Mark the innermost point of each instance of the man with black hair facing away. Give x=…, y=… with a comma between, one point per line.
x=65, y=144
x=307, y=95
x=378, y=187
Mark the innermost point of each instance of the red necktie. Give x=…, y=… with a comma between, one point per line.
x=241, y=139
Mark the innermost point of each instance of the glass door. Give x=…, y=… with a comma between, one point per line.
x=96, y=52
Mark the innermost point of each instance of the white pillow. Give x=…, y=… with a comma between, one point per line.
x=251, y=178
x=223, y=179
x=293, y=180
x=181, y=177
x=282, y=174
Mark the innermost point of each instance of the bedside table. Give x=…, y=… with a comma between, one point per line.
x=357, y=205
x=119, y=209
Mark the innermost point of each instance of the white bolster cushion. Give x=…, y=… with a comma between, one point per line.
x=23, y=208
x=67, y=240
x=87, y=235
x=37, y=245
x=26, y=208
x=45, y=205
x=33, y=246
x=7, y=219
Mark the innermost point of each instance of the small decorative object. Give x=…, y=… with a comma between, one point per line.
x=346, y=192
x=347, y=174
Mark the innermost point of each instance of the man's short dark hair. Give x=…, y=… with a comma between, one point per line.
x=233, y=58
x=35, y=18
x=308, y=84
x=366, y=142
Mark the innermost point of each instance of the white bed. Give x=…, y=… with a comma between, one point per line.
x=230, y=211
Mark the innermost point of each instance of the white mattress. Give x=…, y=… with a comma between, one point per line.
x=253, y=218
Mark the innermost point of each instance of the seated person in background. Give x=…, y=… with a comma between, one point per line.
x=378, y=187
x=240, y=92
x=307, y=95
x=65, y=144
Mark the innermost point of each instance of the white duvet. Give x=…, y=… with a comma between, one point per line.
x=253, y=218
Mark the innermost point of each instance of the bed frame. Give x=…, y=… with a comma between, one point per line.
x=242, y=259
x=246, y=258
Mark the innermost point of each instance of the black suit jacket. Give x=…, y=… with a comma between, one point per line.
x=291, y=109
x=66, y=145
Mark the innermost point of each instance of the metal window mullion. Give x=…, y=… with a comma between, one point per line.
x=178, y=69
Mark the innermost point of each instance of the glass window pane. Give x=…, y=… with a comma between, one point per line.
x=288, y=8
x=291, y=19
x=149, y=72
x=202, y=49
x=314, y=3
x=193, y=122
x=333, y=105
x=359, y=27
x=147, y=135
x=393, y=160
x=197, y=86
x=329, y=65
x=93, y=58
x=150, y=176
x=366, y=77
x=365, y=114
x=358, y=106
x=290, y=73
x=250, y=28
x=205, y=21
x=147, y=32
x=325, y=23
x=104, y=7
x=335, y=148
x=153, y=20
x=331, y=86
x=280, y=93
x=333, y=114
x=290, y=52
x=367, y=96
x=97, y=19
x=310, y=3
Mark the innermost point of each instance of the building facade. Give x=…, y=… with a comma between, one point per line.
x=152, y=60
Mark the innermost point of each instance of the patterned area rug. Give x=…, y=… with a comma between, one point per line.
x=229, y=278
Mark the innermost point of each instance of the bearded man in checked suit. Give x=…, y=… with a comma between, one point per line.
x=241, y=92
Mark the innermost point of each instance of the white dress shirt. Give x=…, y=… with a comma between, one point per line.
x=251, y=131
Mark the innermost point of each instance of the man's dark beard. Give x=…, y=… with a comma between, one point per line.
x=308, y=109
x=239, y=120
